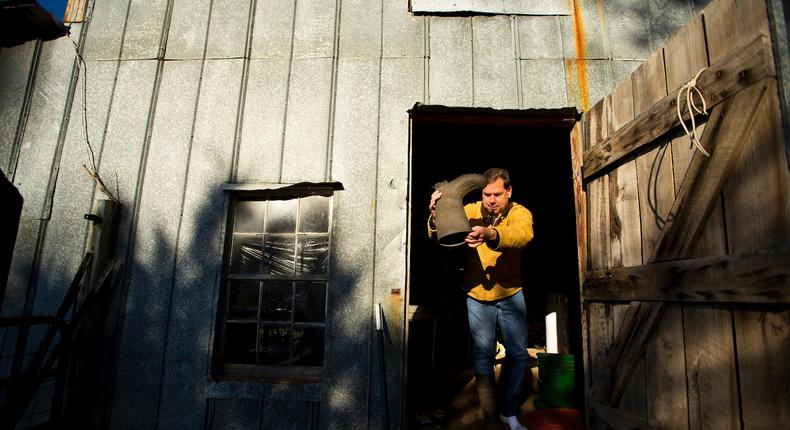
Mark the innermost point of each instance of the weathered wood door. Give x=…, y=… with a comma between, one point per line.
x=683, y=256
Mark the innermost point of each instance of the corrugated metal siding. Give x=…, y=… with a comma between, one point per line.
x=185, y=95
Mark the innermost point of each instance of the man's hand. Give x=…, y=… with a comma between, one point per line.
x=432, y=205
x=478, y=235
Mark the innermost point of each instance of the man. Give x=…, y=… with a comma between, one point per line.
x=492, y=281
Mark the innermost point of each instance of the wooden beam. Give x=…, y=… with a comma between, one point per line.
x=617, y=419
x=758, y=278
x=719, y=82
x=639, y=323
x=725, y=137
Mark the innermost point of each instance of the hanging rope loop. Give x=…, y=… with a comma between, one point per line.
x=690, y=89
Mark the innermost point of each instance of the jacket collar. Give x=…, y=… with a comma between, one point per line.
x=485, y=214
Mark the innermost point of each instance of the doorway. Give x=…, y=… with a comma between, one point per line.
x=534, y=146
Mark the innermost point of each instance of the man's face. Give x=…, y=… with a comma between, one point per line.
x=496, y=196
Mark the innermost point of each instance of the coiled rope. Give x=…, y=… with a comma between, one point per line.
x=688, y=88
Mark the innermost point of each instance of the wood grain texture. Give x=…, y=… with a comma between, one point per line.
x=763, y=340
x=757, y=278
x=710, y=367
x=726, y=77
x=626, y=239
x=665, y=379
x=757, y=195
x=599, y=251
x=724, y=138
x=685, y=54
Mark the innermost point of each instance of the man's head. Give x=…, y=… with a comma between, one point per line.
x=496, y=193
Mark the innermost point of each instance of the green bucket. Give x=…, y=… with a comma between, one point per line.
x=557, y=381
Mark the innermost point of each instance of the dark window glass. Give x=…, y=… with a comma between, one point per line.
x=310, y=302
x=240, y=343
x=243, y=301
x=274, y=345
x=308, y=344
x=276, y=301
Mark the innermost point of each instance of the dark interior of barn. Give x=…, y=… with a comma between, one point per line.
x=534, y=147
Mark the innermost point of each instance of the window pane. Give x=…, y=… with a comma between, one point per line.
x=278, y=254
x=240, y=343
x=308, y=346
x=246, y=254
x=313, y=253
x=274, y=344
x=276, y=300
x=243, y=301
x=314, y=213
x=310, y=302
x=249, y=217
x=282, y=216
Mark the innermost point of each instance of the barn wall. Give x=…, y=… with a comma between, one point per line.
x=705, y=361
x=182, y=96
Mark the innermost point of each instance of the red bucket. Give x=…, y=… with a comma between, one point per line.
x=555, y=419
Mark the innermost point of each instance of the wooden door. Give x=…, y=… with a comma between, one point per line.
x=683, y=256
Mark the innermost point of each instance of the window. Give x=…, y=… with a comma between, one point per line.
x=275, y=285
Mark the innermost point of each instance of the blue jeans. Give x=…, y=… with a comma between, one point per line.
x=511, y=313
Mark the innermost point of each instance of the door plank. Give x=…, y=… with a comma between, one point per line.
x=639, y=323
x=763, y=339
x=710, y=367
x=626, y=239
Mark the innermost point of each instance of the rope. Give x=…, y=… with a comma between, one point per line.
x=688, y=87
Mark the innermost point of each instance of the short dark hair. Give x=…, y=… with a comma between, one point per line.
x=494, y=173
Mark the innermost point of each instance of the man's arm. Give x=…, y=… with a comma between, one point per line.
x=518, y=231
x=432, y=208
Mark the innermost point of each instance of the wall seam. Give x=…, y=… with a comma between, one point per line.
x=333, y=93
x=287, y=91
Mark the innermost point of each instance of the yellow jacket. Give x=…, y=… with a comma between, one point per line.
x=493, y=269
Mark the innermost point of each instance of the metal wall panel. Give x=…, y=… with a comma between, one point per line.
x=307, y=120
x=15, y=67
x=540, y=37
x=595, y=85
x=403, y=33
x=401, y=86
x=584, y=25
x=360, y=29
x=354, y=161
x=495, y=68
x=156, y=235
x=450, y=77
x=105, y=31
x=665, y=21
x=21, y=266
x=199, y=256
x=186, y=38
x=541, y=84
x=61, y=255
x=260, y=150
x=227, y=35
x=314, y=32
x=628, y=26
x=144, y=29
x=40, y=142
x=273, y=29
x=136, y=388
x=234, y=414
